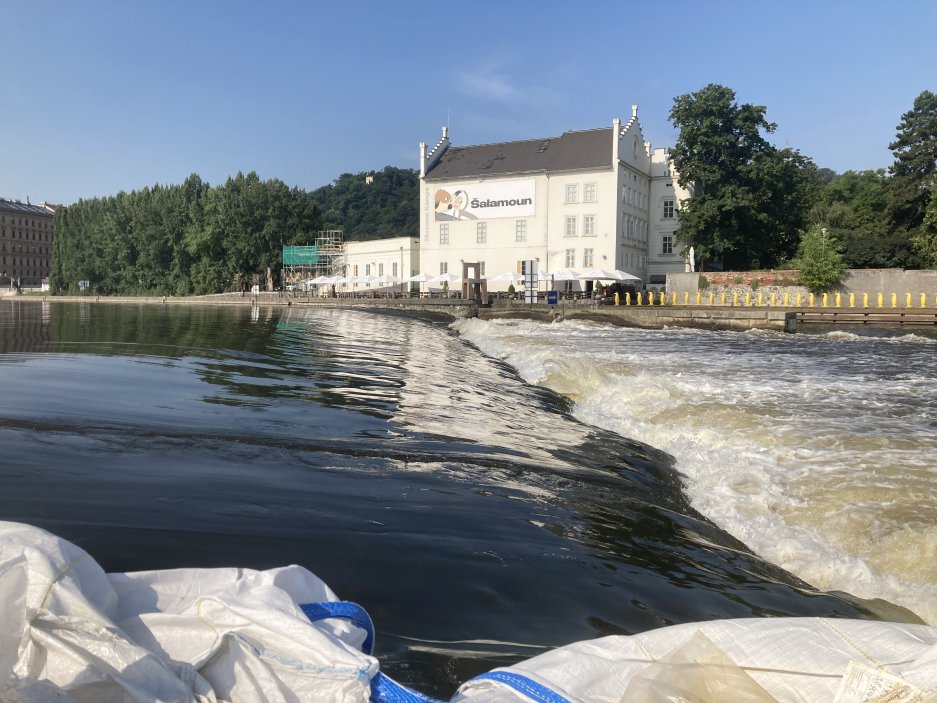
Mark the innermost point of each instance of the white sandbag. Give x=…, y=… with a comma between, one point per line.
x=57, y=605
x=796, y=660
x=183, y=635
x=242, y=630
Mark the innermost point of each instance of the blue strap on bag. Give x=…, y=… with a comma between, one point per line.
x=383, y=688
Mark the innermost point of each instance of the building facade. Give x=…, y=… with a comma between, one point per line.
x=396, y=258
x=26, y=234
x=596, y=198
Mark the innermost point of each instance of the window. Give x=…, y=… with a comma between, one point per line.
x=481, y=269
x=380, y=269
x=572, y=193
x=481, y=232
x=668, y=209
x=588, y=193
x=630, y=228
x=367, y=269
x=393, y=269
x=443, y=234
x=443, y=267
x=587, y=258
x=570, y=258
x=571, y=226
x=354, y=270
x=588, y=225
x=520, y=231
x=666, y=244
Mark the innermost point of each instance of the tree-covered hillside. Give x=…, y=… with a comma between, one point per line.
x=386, y=207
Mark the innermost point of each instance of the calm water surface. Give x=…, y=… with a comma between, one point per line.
x=479, y=517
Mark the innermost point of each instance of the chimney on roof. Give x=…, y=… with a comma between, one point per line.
x=445, y=132
x=634, y=110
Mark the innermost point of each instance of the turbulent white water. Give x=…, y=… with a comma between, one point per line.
x=817, y=451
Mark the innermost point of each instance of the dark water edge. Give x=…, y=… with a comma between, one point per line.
x=477, y=521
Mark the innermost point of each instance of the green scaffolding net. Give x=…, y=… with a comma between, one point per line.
x=300, y=256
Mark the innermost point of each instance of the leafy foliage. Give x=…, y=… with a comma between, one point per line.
x=178, y=240
x=749, y=198
x=388, y=206
x=196, y=239
x=819, y=260
x=925, y=239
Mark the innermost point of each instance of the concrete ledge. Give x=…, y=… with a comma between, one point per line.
x=654, y=317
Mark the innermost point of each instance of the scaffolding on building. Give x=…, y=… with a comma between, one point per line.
x=326, y=257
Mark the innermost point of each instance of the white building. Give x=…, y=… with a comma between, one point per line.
x=595, y=198
x=395, y=258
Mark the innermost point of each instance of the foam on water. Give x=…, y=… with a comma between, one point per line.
x=817, y=452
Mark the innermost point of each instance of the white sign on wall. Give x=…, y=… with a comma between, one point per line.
x=484, y=201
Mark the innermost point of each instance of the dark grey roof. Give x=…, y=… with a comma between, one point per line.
x=16, y=206
x=573, y=150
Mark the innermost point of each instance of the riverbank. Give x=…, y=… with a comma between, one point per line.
x=715, y=317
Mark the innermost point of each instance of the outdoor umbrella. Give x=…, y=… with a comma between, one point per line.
x=596, y=274
x=446, y=278
x=420, y=278
x=562, y=275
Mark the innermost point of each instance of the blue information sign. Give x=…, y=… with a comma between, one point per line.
x=553, y=297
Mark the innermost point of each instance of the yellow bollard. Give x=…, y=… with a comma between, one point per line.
x=616, y=297
x=662, y=297
x=787, y=299
x=852, y=300
x=894, y=300
x=800, y=299
x=748, y=298
x=639, y=298
x=686, y=297
x=839, y=300
x=907, y=301
x=923, y=300
x=627, y=298
x=698, y=297
x=774, y=299
x=865, y=300
x=735, y=298
x=881, y=301
x=761, y=298
x=711, y=297
x=811, y=299
x=673, y=298
x=722, y=298
x=826, y=299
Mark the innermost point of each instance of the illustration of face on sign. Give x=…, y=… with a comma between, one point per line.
x=452, y=206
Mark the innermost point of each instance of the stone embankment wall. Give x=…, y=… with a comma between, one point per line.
x=857, y=281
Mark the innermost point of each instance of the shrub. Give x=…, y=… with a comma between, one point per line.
x=755, y=283
x=821, y=260
x=703, y=283
x=738, y=280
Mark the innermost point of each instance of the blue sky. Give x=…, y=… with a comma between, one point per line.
x=103, y=96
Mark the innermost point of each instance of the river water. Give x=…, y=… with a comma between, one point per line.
x=486, y=490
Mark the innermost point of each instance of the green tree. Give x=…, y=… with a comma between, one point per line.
x=915, y=150
x=852, y=206
x=925, y=239
x=749, y=199
x=819, y=260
